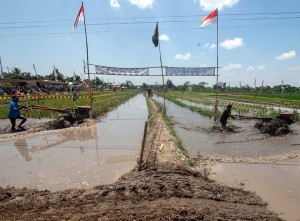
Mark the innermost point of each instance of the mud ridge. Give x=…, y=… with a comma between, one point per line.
x=156, y=193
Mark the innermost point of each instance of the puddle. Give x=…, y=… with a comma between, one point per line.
x=77, y=157
x=278, y=183
x=194, y=130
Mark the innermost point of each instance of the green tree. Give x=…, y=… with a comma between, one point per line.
x=51, y=77
x=169, y=84
x=202, y=84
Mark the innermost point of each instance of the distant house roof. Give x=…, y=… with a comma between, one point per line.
x=32, y=81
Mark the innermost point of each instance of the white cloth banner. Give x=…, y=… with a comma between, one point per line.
x=121, y=71
x=190, y=71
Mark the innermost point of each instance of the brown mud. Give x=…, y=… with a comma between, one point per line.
x=33, y=126
x=165, y=189
x=156, y=193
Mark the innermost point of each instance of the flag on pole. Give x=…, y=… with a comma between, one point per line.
x=155, y=36
x=210, y=19
x=255, y=83
x=282, y=86
x=80, y=17
x=74, y=77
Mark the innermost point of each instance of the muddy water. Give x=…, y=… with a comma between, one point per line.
x=247, y=144
x=276, y=183
x=77, y=157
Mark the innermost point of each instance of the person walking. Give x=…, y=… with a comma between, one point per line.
x=14, y=114
x=149, y=92
x=226, y=113
x=74, y=96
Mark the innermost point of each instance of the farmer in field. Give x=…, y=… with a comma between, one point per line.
x=75, y=96
x=226, y=113
x=14, y=114
x=149, y=92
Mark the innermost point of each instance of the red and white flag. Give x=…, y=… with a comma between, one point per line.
x=80, y=17
x=210, y=19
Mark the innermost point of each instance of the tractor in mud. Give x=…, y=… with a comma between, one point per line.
x=273, y=126
x=68, y=116
x=284, y=116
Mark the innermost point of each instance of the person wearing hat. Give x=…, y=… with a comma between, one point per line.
x=14, y=113
x=226, y=113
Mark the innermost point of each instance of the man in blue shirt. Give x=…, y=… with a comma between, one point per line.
x=14, y=114
x=75, y=96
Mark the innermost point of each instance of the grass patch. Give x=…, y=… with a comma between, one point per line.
x=169, y=125
x=103, y=102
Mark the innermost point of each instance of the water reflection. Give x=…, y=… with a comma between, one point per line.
x=196, y=133
x=22, y=147
x=77, y=157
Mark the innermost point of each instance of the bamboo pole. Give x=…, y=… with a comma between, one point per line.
x=216, y=103
x=143, y=145
x=87, y=60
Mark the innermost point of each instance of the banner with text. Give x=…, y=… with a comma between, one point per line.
x=121, y=71
x=190, y=71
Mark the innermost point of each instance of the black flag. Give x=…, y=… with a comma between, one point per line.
x=155, y=36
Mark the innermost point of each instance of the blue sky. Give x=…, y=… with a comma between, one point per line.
x=258, y=39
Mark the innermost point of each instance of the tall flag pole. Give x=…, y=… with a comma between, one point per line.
x=35, y=72
x=156, y=42
x=55, y=73
x=83, y=66
x=1, y=67
x=210, y=19
x=81, y=17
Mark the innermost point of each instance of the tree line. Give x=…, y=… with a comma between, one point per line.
x=223, y=87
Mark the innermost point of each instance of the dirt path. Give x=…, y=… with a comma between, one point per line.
x=165, y=189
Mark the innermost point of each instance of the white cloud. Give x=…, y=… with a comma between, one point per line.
x=142, y=3
x=206, y=45
x=250, y=68
x=286, y=56
x=212, y=46
x=114, y=3
x=186, y=56
x=209, y=5
x=231, y=67
x=234, y=43
x=164, y=37
x=293, y=68
x=261, y=67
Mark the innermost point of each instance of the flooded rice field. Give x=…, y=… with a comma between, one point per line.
x=267, y=165
x=76, y=157
x=277, y=183
x=245, y=144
